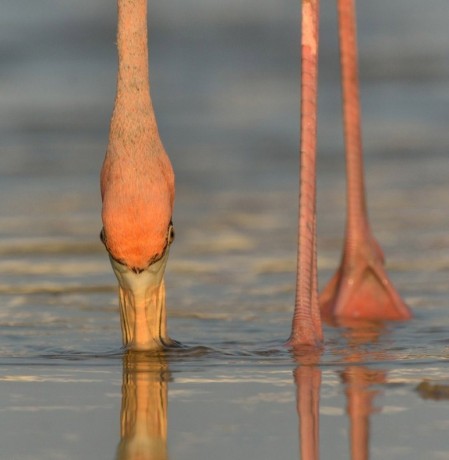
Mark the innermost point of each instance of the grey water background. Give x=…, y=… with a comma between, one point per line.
x=225, y=84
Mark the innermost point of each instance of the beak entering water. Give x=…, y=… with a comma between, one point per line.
x=142, y=305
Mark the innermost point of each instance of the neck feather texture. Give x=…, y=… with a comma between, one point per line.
x=133, y=87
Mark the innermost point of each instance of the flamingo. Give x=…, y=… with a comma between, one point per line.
x=361, y=287
x=137, y=190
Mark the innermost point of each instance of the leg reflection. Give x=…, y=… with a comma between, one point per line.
x=359, y=382
x=360, y=395
x=308, y=382
x=143, y=418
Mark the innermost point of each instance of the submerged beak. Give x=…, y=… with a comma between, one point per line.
x=142, y=305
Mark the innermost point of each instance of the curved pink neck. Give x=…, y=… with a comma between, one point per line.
x=133, y=85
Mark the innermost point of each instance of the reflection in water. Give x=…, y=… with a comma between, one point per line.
x=360, y=396
x=358, y=381
x=308, y=382
x=143, y=418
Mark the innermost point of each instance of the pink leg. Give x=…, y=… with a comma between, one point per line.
x=361, y=287
x=306, y=325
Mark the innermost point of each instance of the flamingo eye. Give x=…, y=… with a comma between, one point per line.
x=103, y=236
x=171, y=234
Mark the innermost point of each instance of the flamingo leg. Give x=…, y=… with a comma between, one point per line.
x=306, y=324
x=361, y=287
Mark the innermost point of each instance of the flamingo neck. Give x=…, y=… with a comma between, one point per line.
x=133, y=86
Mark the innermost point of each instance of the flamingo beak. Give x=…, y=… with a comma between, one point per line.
x=142, y=305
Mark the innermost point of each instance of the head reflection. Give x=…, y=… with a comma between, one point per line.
x=358, y=381
x=143, y=417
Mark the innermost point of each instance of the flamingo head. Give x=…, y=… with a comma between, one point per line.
x=138, y=196
x=142, y=298
x=138, y=191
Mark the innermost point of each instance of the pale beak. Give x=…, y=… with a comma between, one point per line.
x=142, y=305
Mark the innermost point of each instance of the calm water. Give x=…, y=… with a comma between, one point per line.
x=225, y=86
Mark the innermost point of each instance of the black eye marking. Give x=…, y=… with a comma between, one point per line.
x=103, y=236
x=171, y=233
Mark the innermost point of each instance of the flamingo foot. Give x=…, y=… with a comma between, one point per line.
x=361, y=289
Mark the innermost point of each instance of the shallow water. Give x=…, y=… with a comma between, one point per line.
x=225, y=86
